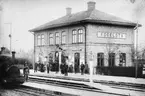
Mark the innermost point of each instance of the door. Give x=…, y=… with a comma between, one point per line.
x=76, y=62
x=56, y=61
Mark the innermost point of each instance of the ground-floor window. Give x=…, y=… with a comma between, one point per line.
x=111, y=59
x=100, y=59
x=122, y=59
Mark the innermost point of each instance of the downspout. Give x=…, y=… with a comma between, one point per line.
x=136, y=51
x=34, y=53
x=85, y=49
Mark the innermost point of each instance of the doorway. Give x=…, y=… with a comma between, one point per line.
x=76, y=62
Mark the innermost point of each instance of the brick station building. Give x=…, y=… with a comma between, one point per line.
x=87, y=35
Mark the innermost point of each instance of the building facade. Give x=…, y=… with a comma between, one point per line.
x=85, y=36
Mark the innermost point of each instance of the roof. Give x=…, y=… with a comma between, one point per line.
x=91, y=16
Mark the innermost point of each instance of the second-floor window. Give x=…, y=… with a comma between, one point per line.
x=74, y=36
x=63, y=37
x=56, y=38
x=51, y=39
x=39, y=40
x=42, y=40
x=80, y=35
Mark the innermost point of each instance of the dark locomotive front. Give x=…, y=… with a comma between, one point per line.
x=12, y=76
x=9, y=73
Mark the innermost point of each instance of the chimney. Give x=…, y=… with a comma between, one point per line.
x=68, y=11
x=91, y=5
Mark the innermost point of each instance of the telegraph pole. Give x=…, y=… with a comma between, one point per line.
x=10, y=36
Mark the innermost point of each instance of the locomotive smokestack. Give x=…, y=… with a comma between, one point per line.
x=13, y=56
x=2, y=50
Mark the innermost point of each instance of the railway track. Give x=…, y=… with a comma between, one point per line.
x=74, y=85
x=118, y=85
x=31, y=91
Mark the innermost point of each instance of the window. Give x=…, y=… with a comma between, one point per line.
x=51, y=39
x=38, y=40
x=122, y=59
x=42, y=40
x=74, y=36
x=56, y=38
x=63, y=36
x=80, y=35
x=100, y=59
x=111, y=60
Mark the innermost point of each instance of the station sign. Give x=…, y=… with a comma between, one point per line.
x=111, y=35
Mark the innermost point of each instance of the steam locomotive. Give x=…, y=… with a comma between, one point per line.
x=9, y=73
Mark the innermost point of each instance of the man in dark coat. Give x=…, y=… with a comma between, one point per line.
x=65, y=69
x=35, y=67
x=82, y=68
x=48, y=67
x=86, y=69
x=75, y=68
x=62, y=68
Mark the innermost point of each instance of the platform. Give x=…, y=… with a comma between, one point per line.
x=95, y=77
x=85, y=78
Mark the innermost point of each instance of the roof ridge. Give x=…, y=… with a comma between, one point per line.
x=95, y=16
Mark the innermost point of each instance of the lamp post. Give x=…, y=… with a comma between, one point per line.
x=91, y=57
x=136, y=52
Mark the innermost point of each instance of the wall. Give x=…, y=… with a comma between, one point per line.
x=70, y=48
x=94, y=43
x=97, y=44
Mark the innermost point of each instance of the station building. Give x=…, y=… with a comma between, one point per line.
x=105, y=39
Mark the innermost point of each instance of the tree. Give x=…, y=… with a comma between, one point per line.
x=112, y=50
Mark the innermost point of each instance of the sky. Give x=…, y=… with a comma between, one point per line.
x=19, y=16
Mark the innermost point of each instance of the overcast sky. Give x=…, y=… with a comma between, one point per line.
x=19, y=16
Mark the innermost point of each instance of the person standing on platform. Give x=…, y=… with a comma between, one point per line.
x=62, y=68
x=26, y=71
x=86, y=69
x=66, y=69
x=75, y=67
x=47, y=67
x=82, y=68
x=35, y=67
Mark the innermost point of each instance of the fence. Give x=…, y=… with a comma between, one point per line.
x=119, y=71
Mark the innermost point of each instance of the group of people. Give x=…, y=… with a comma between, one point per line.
x=64, y=68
